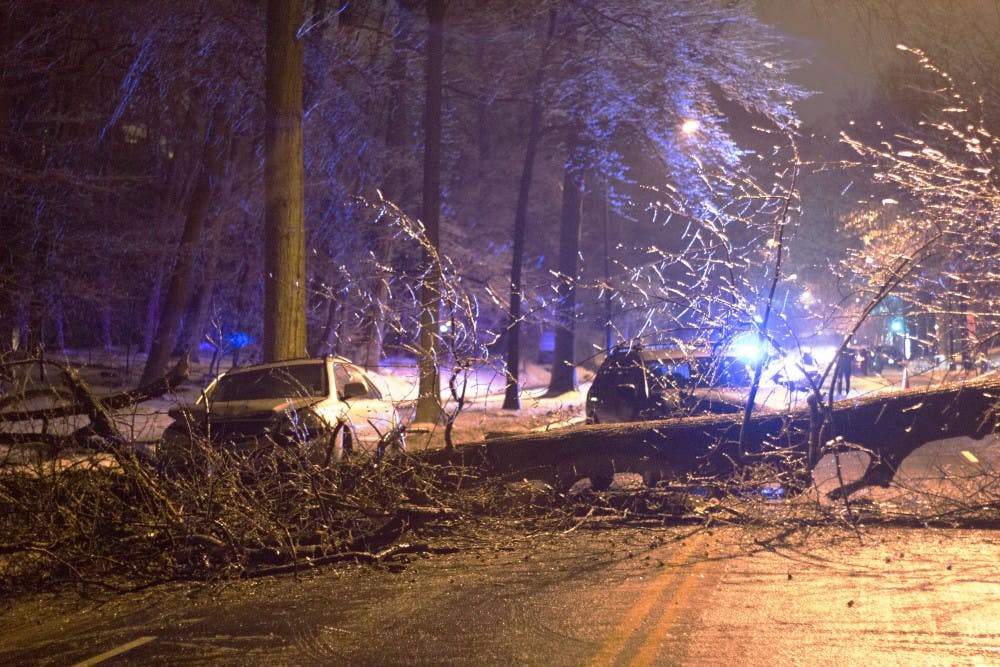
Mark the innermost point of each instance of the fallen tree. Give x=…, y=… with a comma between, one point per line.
x=75, y=398
x=888, y=426
x=117, y=401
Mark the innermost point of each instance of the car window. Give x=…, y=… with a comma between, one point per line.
x=344, y=373
x=628, y=370
x=669, y=373
x=279, y=382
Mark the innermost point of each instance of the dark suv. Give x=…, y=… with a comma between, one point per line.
x=636, y=383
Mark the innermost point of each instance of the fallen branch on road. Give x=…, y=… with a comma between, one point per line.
x=349, y=556
x=890, y=426
x=117, y=401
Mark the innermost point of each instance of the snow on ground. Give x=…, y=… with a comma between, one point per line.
x=482, y=412
x=109, y=371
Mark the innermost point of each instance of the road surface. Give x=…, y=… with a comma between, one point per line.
x=584, y=593
x=625, y=596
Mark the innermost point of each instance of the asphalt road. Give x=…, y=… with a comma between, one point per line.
x=629, y=596
x=579, y=594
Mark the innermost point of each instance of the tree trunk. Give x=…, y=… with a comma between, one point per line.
x=10, y=333
x=563, y=362
x=105, y=281
x=372, y=330
x=512, y=392
x=429, y=390
x=890, y=425
x=397, y=134
x=284, y=199
x=179, y=287
x=202, y=305
x=203, y=295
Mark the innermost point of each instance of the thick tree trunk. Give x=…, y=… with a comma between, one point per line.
x=563, y=362
x=890, y=425
x=284, y=204
x=512, y=392
x=429, y=390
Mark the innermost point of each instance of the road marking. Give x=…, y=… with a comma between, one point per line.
x=107, y=655
x=647, y=653
x=969, y=456
x=617, y=640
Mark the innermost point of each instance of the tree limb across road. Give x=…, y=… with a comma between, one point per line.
x=100, y=434
x=117, y=401
x=889, y=425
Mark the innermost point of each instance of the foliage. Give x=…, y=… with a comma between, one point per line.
x=628, y=73
x=108, y=110
x=935, y=227
x=96, y=524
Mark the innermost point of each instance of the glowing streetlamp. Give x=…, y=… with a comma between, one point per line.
x=690, y=126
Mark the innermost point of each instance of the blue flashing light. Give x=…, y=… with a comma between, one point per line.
x=747, y=347
x=772, y=492
x=239, y=339
x=897, y=325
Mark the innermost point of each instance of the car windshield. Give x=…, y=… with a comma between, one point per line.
x=292, y=381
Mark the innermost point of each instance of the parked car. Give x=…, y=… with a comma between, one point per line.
x=884, y=356
x=329, y=406
x=638, y=383
x=794, y=373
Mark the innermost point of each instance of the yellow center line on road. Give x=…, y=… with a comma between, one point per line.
x=969, y=456
x=647, y=653
x=616, y=641
x=107, y=655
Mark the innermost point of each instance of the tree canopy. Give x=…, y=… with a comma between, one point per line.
x=664, y=199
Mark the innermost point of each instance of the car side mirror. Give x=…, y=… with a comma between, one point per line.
x=354, y=390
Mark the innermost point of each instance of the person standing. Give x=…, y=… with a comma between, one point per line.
x=842, y=372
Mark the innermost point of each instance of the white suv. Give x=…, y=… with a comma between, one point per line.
x=328, y=405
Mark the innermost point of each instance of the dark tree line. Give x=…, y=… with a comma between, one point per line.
x=475, y=175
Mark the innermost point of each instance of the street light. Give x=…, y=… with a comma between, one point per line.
x=690, y=126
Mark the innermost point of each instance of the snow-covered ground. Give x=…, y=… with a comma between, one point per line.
x=107, y=372
x=482, y=413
